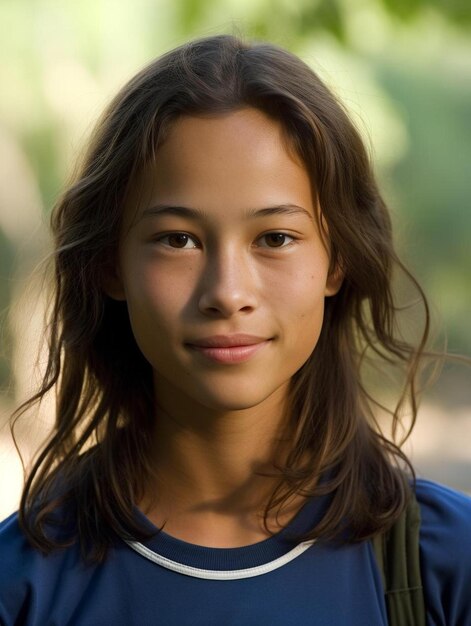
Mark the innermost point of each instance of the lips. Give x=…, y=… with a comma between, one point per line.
x=228, y=341
x=228, y=349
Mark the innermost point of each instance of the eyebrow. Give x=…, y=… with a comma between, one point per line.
x=199, y=214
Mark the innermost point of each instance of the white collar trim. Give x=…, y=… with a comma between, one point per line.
x=197, y=572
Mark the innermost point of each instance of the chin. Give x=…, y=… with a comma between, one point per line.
x=233, y=400
x=224, y=405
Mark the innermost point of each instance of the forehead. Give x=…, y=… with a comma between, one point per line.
x=239, y=161
x=225, y=134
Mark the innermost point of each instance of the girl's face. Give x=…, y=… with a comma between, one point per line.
x=244, y=256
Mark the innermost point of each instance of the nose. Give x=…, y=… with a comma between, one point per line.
x=228, y=285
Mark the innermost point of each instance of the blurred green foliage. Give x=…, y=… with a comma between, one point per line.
x=432, y=183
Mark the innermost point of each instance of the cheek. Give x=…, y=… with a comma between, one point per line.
x=154, y=298
x=301, y=297
x=302, y=311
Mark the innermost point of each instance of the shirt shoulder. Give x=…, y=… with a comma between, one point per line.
x=445, y=516
x=17, y=569
x=28, y=578
x=17, y=554
x=445, y=552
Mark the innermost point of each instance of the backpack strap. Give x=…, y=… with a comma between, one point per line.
x=397, y=553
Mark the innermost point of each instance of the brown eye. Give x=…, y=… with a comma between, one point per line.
x=277, y=239
x=179, y=239
x=176, y=240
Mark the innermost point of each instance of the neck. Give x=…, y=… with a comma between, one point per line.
x=206, y=465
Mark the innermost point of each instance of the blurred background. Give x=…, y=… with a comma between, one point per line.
x=402, y=68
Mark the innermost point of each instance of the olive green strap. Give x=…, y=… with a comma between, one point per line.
x=397, y=553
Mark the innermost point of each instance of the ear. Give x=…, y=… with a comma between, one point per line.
x=336, y=274
x=334, y=281
x=112, y=283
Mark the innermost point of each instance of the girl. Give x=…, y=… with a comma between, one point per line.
x=223, y=263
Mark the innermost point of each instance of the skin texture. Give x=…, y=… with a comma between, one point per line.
x=216, y=424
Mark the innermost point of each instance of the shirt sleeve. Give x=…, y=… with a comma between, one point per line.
x=445, y=553
x=14, y=589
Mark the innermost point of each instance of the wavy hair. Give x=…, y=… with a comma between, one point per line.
x=97, y=457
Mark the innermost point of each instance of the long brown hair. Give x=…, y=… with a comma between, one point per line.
x=98, y=455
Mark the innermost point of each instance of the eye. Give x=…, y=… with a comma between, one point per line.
x=180, y=239
x=277, y=238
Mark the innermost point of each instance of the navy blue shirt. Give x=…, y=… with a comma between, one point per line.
x=274, y=582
